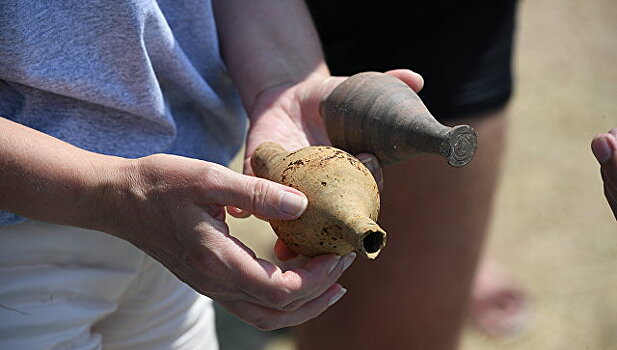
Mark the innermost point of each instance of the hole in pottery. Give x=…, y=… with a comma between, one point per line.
x=373, y=242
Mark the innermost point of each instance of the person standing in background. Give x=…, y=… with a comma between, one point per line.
x=415, y=296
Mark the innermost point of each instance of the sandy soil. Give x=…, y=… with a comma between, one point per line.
x=552, y=229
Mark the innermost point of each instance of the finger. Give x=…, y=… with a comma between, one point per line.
x=261, y=282
x=238, y=213
x=413, y=79
x=609, y=176
x=269, y=319
x=282, y=251
x=315, y=279
x=242, y=214
x=611, y=197
x=295, y=263
x=346, y=261
x=603, y=146
x=246, y=168
x=372, y=164
x=258, y=196
x=263, y=218
x=266, y=284
x=219, y=214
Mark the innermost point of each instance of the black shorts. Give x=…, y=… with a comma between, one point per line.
x=463, y=49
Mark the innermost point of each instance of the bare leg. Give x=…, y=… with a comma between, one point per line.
x=499, y=307
x=414, y=296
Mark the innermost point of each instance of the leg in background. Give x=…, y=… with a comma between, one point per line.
x=415, y=295
x=498, y=306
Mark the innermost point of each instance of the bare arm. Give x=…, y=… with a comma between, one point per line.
x=272, y=50
x=267, y=43
x=172, y=208
x=274, y=56
x=46, y=179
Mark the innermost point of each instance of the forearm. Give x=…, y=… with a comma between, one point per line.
x=267, y=43
x=47, y=179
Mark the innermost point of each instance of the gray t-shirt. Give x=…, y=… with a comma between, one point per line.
x=122, y=77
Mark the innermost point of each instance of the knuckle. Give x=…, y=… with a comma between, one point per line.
x=293, y=282
x=293, y=306
x=260, y=194
x=265, y=323
x=279, y=299
x=214, y=178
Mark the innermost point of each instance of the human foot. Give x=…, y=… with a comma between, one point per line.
x=498, y=308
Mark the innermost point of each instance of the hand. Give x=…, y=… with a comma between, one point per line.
x=604, y=147
x=289, y=114
x=174, y=210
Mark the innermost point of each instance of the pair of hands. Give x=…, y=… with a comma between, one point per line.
x=178, y=207
x=180, y=203
x=175, y=210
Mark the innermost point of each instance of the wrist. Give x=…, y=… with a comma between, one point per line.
x=268, y=93
x=107, y=194
x=306, y=95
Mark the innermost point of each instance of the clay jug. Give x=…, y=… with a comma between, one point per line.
x=343, y=200
x=379, y=114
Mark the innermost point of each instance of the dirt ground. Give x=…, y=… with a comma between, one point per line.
x=552, y=229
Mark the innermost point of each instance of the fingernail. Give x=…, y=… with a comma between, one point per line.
x=348, y=260
x=613, y=132
x=293, y=204
x=334, y=263
x=379, y=179
x=420, y=78
x=337, y=296
x=602, y=150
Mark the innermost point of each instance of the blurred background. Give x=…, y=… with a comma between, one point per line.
x=552, y=230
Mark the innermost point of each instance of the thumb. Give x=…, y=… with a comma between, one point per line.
x=372, y=164
x=260, y=197
x=411, y=78
x=604, y=145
